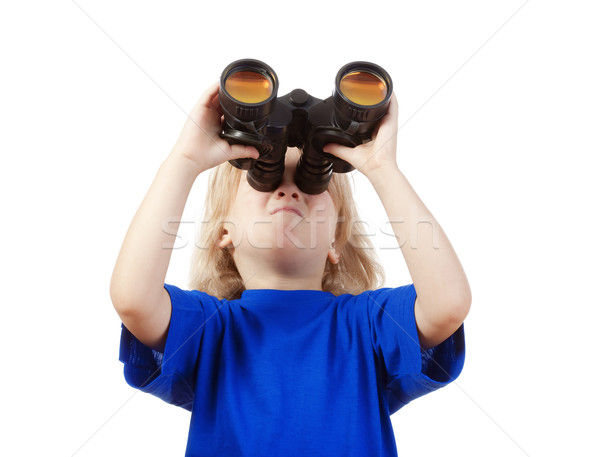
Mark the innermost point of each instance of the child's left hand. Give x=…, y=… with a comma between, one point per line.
x=377, y=154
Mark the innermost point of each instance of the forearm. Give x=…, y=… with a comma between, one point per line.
x=439, y=279
x=142, y=263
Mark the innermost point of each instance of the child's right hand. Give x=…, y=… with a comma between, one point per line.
x=199, y=141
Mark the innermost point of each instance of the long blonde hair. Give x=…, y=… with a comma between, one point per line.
x=213, y=269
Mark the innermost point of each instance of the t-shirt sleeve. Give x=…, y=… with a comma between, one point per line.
x=169, y=375
x=410, y=372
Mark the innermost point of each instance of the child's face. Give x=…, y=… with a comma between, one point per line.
x=284, y=228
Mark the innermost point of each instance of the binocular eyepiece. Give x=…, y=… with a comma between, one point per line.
x=254, y=116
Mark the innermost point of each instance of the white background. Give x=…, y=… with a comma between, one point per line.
x=499, y=136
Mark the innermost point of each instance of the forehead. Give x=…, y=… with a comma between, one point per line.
x=291, y=157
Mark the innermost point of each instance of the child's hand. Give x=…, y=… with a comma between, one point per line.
x=377, y=154
x=199, y=140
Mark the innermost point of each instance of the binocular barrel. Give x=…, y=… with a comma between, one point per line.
x=255, y=116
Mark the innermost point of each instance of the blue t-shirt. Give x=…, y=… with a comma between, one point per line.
x=292, y=373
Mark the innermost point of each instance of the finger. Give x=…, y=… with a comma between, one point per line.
x=394, y=99
x=390, y=120
x=215, y=103
x=210, y=93
x=206, y=99
x=393, y=108
x=392, y=111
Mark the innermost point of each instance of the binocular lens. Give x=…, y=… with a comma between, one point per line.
x=363, y=88
x=248, y=86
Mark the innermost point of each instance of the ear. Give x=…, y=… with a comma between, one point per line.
x=333, y=255
x=225, y=241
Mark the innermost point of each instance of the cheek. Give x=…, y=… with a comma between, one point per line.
x=246, y=210
x=324, y=215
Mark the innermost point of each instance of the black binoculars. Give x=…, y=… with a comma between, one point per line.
x=254, y=116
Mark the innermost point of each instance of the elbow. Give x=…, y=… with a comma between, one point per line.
x=459, y=313
x=129, y=308
x=122, y=305
x=452, y=310
x=438, y=322
x=124, y=300
x=458, y=308
x=132, y=303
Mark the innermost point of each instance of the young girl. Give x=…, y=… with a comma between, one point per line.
x=286, y=346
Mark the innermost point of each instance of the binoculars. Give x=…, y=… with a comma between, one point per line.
x=254, y=116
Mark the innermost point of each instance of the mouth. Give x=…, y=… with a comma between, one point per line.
x=287, y=209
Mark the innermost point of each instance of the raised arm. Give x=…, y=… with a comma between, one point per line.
x=443, y=292
x=137, y=284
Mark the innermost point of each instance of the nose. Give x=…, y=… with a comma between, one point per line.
x=287, y=187
x=282, y=194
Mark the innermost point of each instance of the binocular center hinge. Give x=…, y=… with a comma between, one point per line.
x=299, y=97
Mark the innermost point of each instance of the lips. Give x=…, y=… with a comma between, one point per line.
x=287, y=208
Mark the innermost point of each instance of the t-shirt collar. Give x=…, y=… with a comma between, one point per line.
x=291, y=296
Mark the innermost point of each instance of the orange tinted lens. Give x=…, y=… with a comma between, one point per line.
x=249, y=86
x=363, y=88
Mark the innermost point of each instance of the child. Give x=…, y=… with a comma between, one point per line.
x=286, y=347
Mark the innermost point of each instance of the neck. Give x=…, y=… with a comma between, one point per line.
x=283, y=272
x=264, y=275
x=280, y=282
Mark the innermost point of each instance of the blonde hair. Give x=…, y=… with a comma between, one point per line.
x=213, y=269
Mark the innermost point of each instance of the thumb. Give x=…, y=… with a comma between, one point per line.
x=240, y=151
x=343, y=152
